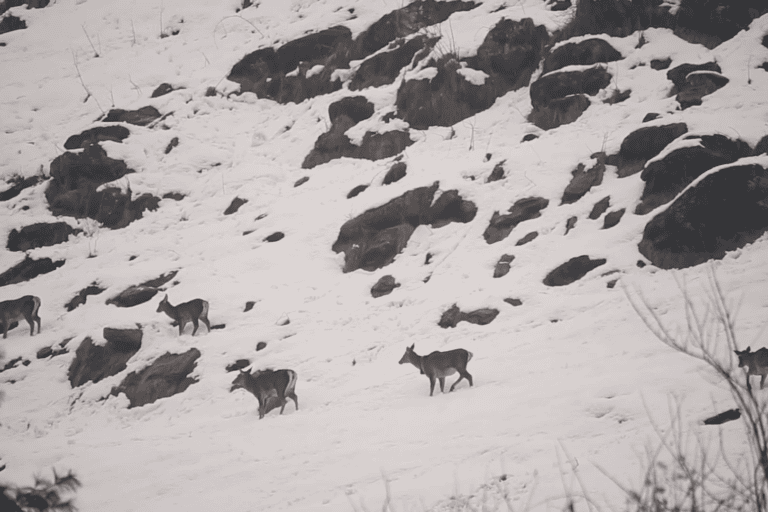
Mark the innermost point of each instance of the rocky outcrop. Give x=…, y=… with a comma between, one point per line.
x=139, y=294
x=454, y=315
x=395, y=173
x=373, y=239
x=583, y=180
x=726, y=210
x=694, y=81
x=42, y=234
x=168, y=375
x=502, y=266
x=643, y=144
x=384, y=67
x=572, y=270
x=560, y=98
x=28, y=269
x=501, y=226
x=583, y=53
x=139, y=117
x=114, y=133
x=384, y=286
x=95, y=362
x=17, y=185
x=80, y=298
x=668, y=176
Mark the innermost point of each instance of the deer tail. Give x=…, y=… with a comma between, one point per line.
x=35, y=305
x=469, y=355
x=204, y=313
x=291, y=382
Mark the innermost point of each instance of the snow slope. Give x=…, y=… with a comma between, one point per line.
x=569, y=381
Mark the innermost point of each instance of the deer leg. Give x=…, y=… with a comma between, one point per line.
x=293, y=397
x=31, y=323
x=762, y=381
x=431, y=384
x=442, y=384
x=206, y=322
x=195, y=324
x=182, y=324
x=5, y=328
x=281, y=397
x=461, y=376
x=37, y=319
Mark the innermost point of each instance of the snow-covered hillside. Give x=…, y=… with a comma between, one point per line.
x=566, y=383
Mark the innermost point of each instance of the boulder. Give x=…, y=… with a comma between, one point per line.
x=583, y=180
x=42, y=234
x=168, y=375
x=572, y=270
x=82, y=295
x=452, y=316
x=384, y=286
x=95, y=362
x=643, y=144
x=114, y=133
x=501, y=226
x=502, y=266
x=583, y=53
x=139, y=117
x=28, y=269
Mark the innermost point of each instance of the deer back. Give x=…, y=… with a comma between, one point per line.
x=16, y=309
x=443, y=364
x=265, y=381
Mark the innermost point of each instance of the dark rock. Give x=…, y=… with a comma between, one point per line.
x=162, y=90
x=530, y=136
x=17, y=185
x=528, y=238
x=161, y=280
x=384, y=286
x=139, y=117
x=679, y=74
x=559, y=111
x=357, y=190
x=502, y=266
x=261, y=345
x=713, y=21
x=600, y=207
x=274, y=237
x=39, y=235
x=725, y=211
x=699, y=84
x=168, y=375
x=659, y=64
x=762, y=147
x=44, y=352
x=572, y=270
x=395, y=173
x=617, y=96
x=28, y=269
x=12, y=363
x=565, y=83
x=650, y=117
x=618, y=18
x=10, y=23
x=237, y=365
x=235, y=205
x=570, y=223
x=612, y=283
x=583, y=181
x=723, y=417
x=334, y=143
x=613, y=218
x=502, y=225
x=643, y=144
x=299, y=182
x=513, y=302
x=133, y=296
x=373, y=239
x=497, y=173
x=114, y=133
x=82, y=295
x=559, y=5
x=453, y=316
x=176, y=196
x=172, y=144
x=640, y=264
x=583, y=53
x=667, y=177
x=249, y=306
x=384, y=67
x=94, y=362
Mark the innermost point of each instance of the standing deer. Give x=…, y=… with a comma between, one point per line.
x=25, y=307
x=192, y=311
x=756, y=363
x=440, y=365
x=263, y=382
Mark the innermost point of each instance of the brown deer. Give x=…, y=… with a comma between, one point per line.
x=25, y=307
x=263, y=383
x=185, y=312
x=439, y=365
x=756, y=363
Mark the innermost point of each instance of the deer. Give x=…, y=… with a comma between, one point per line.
x=439, y=365
x=263, y=382
x=192, y=311
x=25, y=307
x=756, y=363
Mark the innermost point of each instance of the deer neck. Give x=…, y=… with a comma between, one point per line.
x=417, y=361
x=169, y=310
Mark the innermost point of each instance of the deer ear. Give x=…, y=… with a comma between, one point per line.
x=413, y=346
x=748, y=349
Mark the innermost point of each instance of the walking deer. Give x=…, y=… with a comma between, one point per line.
x=756, y=363
x=25, y=307
x=186, y=312
x=263, y=383
x=439, y=365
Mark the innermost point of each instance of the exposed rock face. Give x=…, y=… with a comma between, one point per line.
x=28, y=269
x=713, y=21
x=42, y=234
x=694, y=81
x=557, y=92
x=162, y=90
x=497, y=173
x=528, y=238
x=613, y=218
x=82, y=296
x=93, y=362
x=508, y=56
x=572, y=270
x=373, y=239
x=356, y=191
x=583, y=53
x=383, y=68
x=395, y=173
x=643, y=144
x=667, y=177
x=384, y=286
x=168, y=375
x=502, y=266
x=17, y=185
x=725, y=211
x=115, y=133
x=10, y=23
x=502, y=225
x=139, y=294
x=73, y=191
x=584, y=180
x=454, y=315
x=140, y=117
x=617, y=18
x=235, y=205
x=333, y=144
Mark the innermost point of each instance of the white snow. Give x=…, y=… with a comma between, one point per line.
x=565, y=384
